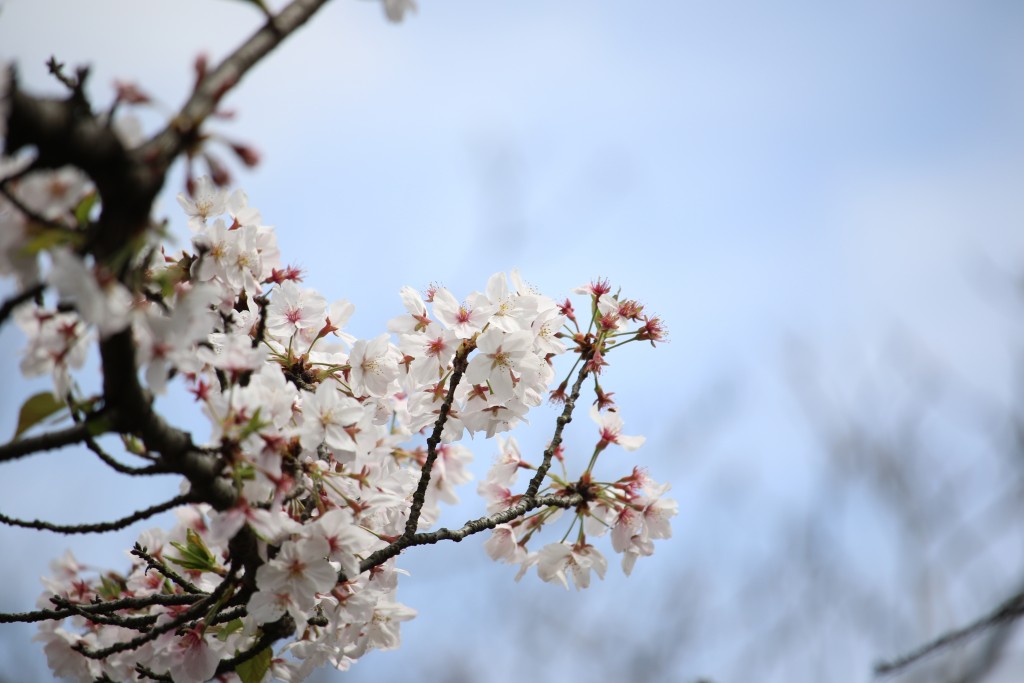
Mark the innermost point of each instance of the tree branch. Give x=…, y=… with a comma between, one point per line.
x=45, y=442
x=91, y=444
x=167, y=572
x=529, y=502
x=563, y=419
x=166, y=145
x=469, y=528
x=135, y=415
x=67, y=132
x=188, y=615
x=31, y=215
x=102, y=526
x=152, y=675
x=1010, y=609
x=419, y=497
x=140, y=623
x=477, y=525
x=272, y=632
x=13, y=302
x=99, y=608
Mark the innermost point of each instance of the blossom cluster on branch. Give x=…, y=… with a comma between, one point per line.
x=328, y=456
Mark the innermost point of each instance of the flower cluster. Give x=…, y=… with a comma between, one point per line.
x=336, y=451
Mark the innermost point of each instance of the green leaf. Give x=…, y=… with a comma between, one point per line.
x=227, y=629
x=171, y=276
x=133, y=445
x=45, y=239
x=195, y=556
x=252, y=426
x=36, y=409
x=84, y=208
x=244, y=472
x=110, y=587
x=253, y=670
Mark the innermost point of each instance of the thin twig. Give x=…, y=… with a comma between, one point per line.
x=100, y=527
x=120, y=467
x=174, y=577
x=1012, y=608
x=140, y=623
x=489, y=522
x=188, y=615
x=13, y=302
x=99, y=608
x=420, y=496
x=529, y=502
x=32, y=216
x=469, y=528
x=229, y=615
x=152, y=675
x=556, y=440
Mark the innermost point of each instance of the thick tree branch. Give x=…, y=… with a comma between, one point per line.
x=272, y=632
x=67, y=132
x=45, y=442
x=135, y=415
x=182, y=130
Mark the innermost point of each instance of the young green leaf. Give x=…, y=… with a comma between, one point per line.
x=225, y=631
x=85, y=207
x=253, y=670
x=195, y=556
x=110, y=587
x=36, y=409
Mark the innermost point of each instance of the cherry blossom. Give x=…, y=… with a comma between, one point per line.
x=326, y=414
x=502, y=546
x=300, y=569
x=554, y=559
x=322, y=456
x=293, y=310
x=206, y=201
x=500, y=360
x=373, y=366
x=320, y=437
x=58, y=343
x=99, y=298
x=465, y=319
x=610, y=424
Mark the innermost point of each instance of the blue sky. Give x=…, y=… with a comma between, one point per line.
x=756, y=173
